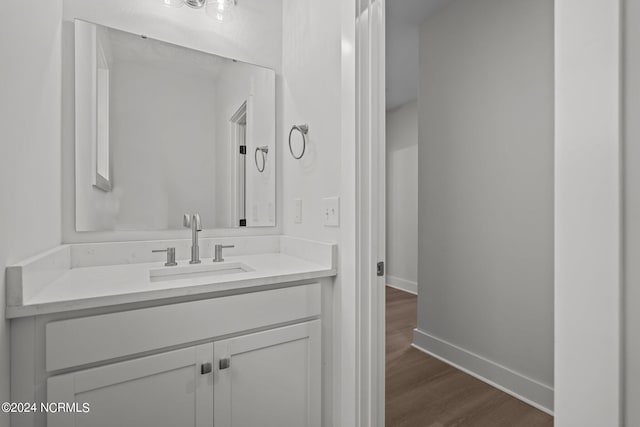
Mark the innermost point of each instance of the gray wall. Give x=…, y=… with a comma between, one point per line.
x=632, y=213
x=402, y=197
x=485, y=268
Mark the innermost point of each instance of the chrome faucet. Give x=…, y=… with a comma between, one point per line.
x=193, y=222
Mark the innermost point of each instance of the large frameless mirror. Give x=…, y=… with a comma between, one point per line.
x=162, y=130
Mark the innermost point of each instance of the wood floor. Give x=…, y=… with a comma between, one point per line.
x=425, y=392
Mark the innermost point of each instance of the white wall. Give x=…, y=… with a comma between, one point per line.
x=402, y=38
x=402, y=63
x=402, y=197
x=162, y=134
x=486, y=192
x=254, y=36
x=237, y=83
x=261, y=186
x=311, y=84
x=94, y=207
x=312, y=94
x=30, y=142
x=632, y=213
x=312, y=69
x=163, y=157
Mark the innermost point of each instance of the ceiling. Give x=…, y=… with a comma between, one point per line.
x=403, y=33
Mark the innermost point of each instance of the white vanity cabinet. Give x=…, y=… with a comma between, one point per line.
x=241, y=360
x=269, y=379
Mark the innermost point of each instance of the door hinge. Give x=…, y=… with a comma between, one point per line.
x=243, y=149
x=381, y=268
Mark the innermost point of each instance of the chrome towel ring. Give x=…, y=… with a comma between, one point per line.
x=304, y=130
x=263, y=150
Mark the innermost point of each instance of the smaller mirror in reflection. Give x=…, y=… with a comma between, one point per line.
x=162, y=130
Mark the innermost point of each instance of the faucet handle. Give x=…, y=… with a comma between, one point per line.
x=218, y=252
x=186, y=220
x=171, y=256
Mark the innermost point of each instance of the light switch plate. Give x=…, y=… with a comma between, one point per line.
x=331, y=211
x=297, y=214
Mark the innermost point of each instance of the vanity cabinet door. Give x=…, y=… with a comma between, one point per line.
x=269, y=379
x=164, y=390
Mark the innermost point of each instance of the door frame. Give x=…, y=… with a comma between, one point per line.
x=588, y=212
x=368, y=62
x=588, y=242
x=237, y=136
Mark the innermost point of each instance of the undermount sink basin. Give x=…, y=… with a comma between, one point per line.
x=197, y=270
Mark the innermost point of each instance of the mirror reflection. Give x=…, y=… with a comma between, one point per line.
x=162, y=130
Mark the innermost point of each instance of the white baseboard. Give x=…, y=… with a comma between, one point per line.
x=517, y=385
x=403, y=285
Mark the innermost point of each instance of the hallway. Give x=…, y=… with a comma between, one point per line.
x=422, y=391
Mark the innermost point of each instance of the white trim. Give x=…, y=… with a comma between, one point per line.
x=237, y=172
x=370, y=211
x=511, y=382
x=588, y=213
x=402, y=284
x=379, y=162
x=347, y=361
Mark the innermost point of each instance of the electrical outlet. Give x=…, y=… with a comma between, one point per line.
x=331, y=211
x=297, y=213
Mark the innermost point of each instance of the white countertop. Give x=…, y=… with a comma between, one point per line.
x=109, y=285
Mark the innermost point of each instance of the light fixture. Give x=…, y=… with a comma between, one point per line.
x=220, y=10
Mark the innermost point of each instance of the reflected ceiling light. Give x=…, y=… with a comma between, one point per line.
x=196, y=4
x=173, y=3
x=220, y=10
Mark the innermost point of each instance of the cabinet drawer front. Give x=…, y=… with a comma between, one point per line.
x=93, y=339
